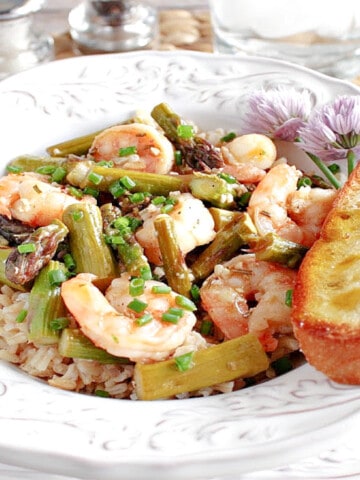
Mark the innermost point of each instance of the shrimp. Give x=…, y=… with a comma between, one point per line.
x=308, y=207
x=247, y=157
x=277, y=206
x=150, y=150
x=227, y=296
x=109, y=322
x=193, y=223
x=30, y=198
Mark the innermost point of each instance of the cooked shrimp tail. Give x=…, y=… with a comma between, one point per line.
x=140, y=334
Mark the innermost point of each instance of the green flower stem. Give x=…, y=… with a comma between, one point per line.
x=351, y=160
x=325, y=170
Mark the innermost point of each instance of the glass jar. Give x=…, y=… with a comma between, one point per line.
x=21, y=45
x=113, y=25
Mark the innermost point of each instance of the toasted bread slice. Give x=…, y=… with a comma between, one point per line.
x=326, y=300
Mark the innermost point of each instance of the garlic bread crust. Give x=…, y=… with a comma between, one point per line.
x=326, y=299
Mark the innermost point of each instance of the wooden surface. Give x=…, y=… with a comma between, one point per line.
x=178, y=29
x=186, y=28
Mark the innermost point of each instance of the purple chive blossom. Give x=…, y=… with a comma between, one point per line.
x=277, y=113
x=333, y=131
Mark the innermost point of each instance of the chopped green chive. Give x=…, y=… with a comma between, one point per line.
x=77, y=215
x=170, y=317
x=137, y=197
x=58, y=175
x=95, y=178
x=127, y=182
x=137, y=305
x=121, y=223
x=288, y=298
x=14, y=169
x=244, y=199
x=56, y=277
x=158, y=200
x=125, y=151
x=178, y=157
x=334, y=168
x=134, y=223
x=105, y=163
x=145, y=272
x=195, y=293
x=228, y=137
x=102, y=393
x=144, y=319
x=304, y=182
x=46, y=169
x=227, y=177
x=69, y=261
x=185, y=303
x=161, y=289
x=167, y=208
x=117, y=189
x=115, y=239
x=137, y=286
x=26, y=248
x=91, y=191
x=21, y=316
x=184, y=362
x=206, y=327
x=75, y=192
x=59, y=323
x=185, y=131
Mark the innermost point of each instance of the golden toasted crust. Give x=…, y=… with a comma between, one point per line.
x=326, y=300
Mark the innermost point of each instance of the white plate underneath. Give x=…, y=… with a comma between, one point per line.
x=270, y=425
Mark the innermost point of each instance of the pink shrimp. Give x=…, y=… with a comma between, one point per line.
x=135, y=146
x=228, y=293
x=276, y=205
x=30, y=198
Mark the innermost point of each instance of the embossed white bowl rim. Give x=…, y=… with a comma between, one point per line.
x=265, y=426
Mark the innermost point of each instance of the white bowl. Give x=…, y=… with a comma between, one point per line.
x=265, y=426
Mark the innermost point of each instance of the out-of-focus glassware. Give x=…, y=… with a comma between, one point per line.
x=113, y=25
x=21, y=45
x=318, y=34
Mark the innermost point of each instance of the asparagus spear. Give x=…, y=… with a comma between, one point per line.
x=31, y=163
x=74, y=344
x=46, y=304
x=87, y=244
x=196, y=152
x=77, y=146
x=273, y=248
x=213, y=189
x=4, y=253
x=222, y=216
x=241, y=357
x=24, y=262
x=157, y=184
x=233, y=235
x=124, y=243
x=177, y=274
x=14, y=231
x=81, y=145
